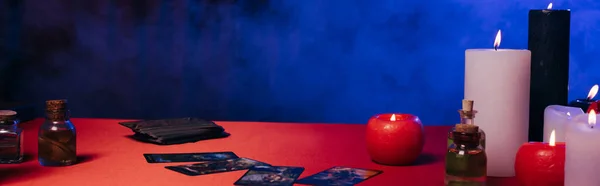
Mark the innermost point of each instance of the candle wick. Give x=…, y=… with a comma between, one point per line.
x=496, y=48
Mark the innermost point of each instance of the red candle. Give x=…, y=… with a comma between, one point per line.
x=394, y=139
x=541, y=163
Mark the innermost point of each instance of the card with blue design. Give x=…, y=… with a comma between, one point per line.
x=339, y=176
x=189, y=157
x=270, y=176
x=211, y=167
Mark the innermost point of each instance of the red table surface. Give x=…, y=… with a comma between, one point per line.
x=109, y=157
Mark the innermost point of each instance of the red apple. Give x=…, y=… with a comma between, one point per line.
x=540, y=164
x=395, y=139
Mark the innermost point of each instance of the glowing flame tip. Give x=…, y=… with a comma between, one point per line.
x=393, y=118
x=552, y=139
x=593, y=92
x=498, y=39
x=549, y=6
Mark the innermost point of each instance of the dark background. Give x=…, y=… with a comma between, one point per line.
x=337, y=61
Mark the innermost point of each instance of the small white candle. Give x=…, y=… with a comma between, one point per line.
x=556, y=117
x=498, y=81
x=582, y=158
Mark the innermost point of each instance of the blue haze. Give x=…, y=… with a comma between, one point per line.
x=333, y=61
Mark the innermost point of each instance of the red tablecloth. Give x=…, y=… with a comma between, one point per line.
x=111, y=158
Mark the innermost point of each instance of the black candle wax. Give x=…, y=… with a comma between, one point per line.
x=584, y=104
x=549, y=32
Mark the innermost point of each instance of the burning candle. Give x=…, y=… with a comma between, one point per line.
x=581, y=163
x=394, y=139
x=549, y=45
x=556, y=117
x=541, y=163
x=498, y=80
x=584, y=104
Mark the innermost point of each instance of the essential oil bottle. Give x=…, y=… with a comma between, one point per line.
x=57, y=137
x=11, y=138
x=466, y=161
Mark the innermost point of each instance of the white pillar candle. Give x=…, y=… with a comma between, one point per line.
x=498, y=82
x=556, y=117
x=582, y=156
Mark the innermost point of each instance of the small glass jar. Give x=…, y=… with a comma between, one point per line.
x=57, y=136
x=11, y=138
x=466, y=160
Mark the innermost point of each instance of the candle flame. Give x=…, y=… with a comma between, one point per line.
x=549, y=6
x=592, y=118
x=497, y=40
x=393, y=118
x=593, y=92
x=552, y=139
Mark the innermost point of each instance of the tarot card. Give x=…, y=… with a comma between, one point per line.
x=270, y=175
x=216, y=166
x=339, y=176
x=189, y=157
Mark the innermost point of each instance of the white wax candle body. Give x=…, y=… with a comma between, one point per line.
x=556, y=117
x=581, y=159
x=498, y=82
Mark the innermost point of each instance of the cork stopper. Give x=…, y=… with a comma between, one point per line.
x=59, y=104
x=7, y=115
x=467, y=105
x=467, y=128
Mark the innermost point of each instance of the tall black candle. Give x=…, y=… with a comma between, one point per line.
x=549, y=32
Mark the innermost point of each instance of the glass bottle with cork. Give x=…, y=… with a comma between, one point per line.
x=467, y=116
x=57, y=136
x=466, y=161
x=11, y=138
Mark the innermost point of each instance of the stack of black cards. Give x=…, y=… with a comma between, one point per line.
x=259, y=173
x=175, y=131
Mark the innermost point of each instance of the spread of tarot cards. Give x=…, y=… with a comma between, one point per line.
x=258, y=173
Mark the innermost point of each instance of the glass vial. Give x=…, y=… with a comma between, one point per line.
x=466, y=161
x=11, y=138
x=57, y=136
x=467, y=116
